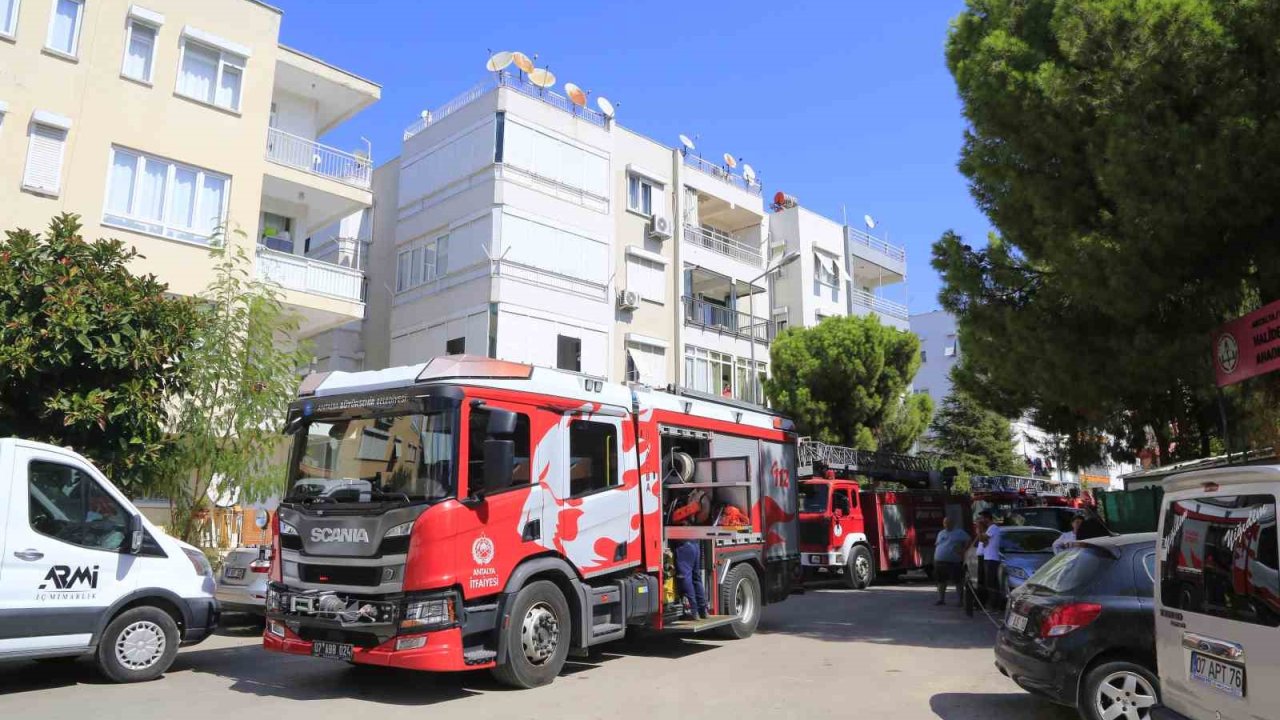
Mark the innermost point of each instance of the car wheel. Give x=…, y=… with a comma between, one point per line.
x=1119, y=690
x=740, y=596
x=138, y=645
x=859, y=573
x=537, y=637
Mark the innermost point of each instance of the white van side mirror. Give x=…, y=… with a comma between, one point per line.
x=136, y=534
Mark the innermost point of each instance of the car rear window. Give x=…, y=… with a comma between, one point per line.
x=1027, y=542
x=1056, y=518
x=1071, y=570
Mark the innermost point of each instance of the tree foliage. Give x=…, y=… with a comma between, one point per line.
x=904, y=423
x=90, y=353
x=1128, y=153
x=975, y=440
x=842, y=378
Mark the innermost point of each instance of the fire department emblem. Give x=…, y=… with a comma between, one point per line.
x=1228, y=353
x=482, y=550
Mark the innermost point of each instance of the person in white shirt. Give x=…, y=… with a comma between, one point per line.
x=989, y=552
x=1068, y=538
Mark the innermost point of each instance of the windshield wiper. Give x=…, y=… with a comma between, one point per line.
x=389, y=496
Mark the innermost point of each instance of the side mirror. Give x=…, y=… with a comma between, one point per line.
x=136, y=534
x=499, y=465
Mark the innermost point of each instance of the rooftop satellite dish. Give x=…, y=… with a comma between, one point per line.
x=542, y=77
x=748, y=173
x=687, y=143
x=522, y=61
x=499, y=61
x=576, y=96
x=730, y=161
x=870, y=221
x=606, y=107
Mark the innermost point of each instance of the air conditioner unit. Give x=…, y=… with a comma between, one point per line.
x=628, y=299
x=660, y=228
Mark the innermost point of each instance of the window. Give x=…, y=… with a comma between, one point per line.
x=422, y=264
x=840, y=502
x=139, y=51
x=44, y=159
x=647, y=277
x=895, y=528
x=210, y=75
x=277, y=232
x=742, y=385
x=479, y=426
x=646, y=364
x=161, y=197
x=456, y=346
x=1219, y=558
x=639, y=195
x=826, y=270
x=66, y=504
x=593, y=457
x=8, y=17
x=64, y=27
x=708, y=371
x=569, y=353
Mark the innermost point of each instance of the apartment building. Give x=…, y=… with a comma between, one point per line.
x=167, y=123
x=939, y=353
x=840, y=271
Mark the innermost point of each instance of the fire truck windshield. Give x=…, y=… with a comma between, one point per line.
x=813, y=497
x=387, y=458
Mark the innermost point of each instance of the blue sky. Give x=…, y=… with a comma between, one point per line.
x=838, y=103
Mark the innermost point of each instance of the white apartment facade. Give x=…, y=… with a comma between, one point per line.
x=166, y=123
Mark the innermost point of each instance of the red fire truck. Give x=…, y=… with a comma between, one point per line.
x=859, y=532
x=470, y=513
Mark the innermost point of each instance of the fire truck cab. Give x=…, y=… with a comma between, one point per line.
x=471, y=513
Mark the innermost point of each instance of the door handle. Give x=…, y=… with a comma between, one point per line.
x=28, y=555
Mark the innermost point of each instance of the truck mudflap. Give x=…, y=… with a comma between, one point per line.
x=440, y=650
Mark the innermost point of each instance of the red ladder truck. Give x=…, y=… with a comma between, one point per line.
x=471, y=513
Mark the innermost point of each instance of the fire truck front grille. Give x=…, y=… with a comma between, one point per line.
x=814, y=532
x=361, y=575
x=359, y=639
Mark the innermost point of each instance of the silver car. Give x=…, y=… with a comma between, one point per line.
x=242, y=582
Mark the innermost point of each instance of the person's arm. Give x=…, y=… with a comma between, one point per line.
x=1063, y=542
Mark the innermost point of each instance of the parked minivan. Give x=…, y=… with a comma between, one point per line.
x=82, y=572
x=1218, y=595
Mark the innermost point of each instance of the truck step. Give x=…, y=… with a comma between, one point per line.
x=691, y=627
x=606, y=629
x=478, y=656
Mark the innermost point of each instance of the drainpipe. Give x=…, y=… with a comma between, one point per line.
x=677, y=239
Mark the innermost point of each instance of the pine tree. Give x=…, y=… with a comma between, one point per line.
x=977, y=441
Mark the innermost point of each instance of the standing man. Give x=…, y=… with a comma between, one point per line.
x=989, y=552
x=948, y=554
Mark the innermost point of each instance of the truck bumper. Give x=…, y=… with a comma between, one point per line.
x=441, y=652
x=833, y=558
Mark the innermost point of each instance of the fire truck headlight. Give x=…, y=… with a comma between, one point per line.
x=287, y=529
x=427, y=613
x=400, y=530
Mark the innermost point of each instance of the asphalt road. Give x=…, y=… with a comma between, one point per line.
x=886, y=652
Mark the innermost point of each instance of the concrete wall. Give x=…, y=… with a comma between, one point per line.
x=937, y=331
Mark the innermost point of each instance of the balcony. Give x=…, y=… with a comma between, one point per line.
x=724, y=243
x=512, y=81
x=319, y=159
x=866, y=301
x=718, y=318
x=723, y=174
x=860, y=238
x=297, y=273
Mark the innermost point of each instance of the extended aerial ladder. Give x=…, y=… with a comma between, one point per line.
x=916, y=471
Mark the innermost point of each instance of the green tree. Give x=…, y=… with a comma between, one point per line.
x=904, y=423
x=242, y=373
x=840, y=379
x=1128, y=154
x=90, y=354
x=973, y=439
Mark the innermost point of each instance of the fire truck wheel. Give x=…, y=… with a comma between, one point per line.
x=740, y=596
x=537, y=636
x=860, y=572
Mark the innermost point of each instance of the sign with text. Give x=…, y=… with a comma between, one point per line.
x=1248, y=346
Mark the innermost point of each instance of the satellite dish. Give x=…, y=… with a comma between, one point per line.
x=576, y=96
x=605, y=106
x=870, y=221
x=522, y=61
x=748, y=173
x=542, y=77
x=730, y=161
x=686, y=142
x=499, y=61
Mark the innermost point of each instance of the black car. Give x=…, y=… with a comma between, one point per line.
x=1081, y=630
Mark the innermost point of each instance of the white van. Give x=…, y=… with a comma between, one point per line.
x=82, y=572
x=1218, y=595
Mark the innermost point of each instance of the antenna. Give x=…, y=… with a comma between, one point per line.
x=498, y=61
x=687, y=143
x=575, y=94
x=748, y=174
x=870, y=221
x=606, y=107
x=522, y=62
x=543, y=78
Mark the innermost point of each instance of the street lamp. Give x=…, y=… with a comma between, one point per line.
x=786, y=260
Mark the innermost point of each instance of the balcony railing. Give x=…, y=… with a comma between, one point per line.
x=722, y=173
x=724, y=243
x=294, y=272
x=318, y=159
x=709, y=316
x=514, y=81
x=864, y=299
x=859, y=237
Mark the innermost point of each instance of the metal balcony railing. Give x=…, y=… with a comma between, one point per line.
x=294, y=272
x=318, y=159
x=865, y=239
x=864, y=299
x=709, y=316
x=507, y=79
x=722, y=173
x=724, y=243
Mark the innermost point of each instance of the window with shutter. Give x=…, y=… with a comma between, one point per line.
x=44, y=159
x=647, y=278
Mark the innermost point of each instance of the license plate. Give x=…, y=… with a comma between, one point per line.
x=1016, y=622
x=1219, y=675
x=233, y=573
x=331, y=650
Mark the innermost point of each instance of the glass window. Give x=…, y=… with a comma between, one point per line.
x=121, y=183
x=593, y=457
x=64, y=26
x=1219, y=557
x=162, y=197
x=639, y=195
x=1029, y=541
x=840, y=502
x=456, y=346
x=8, y=17
x=182, y=201
x=210, y=75
x=402, y=271
x=229, y=87
x=139, y=51
x=155, y=176
x=44, y=159
x=479, y=428
x=569, y=353
x=1071, y=570
x=213, y=204
x=894, y=526
x=66, y=504
x=813, y=497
